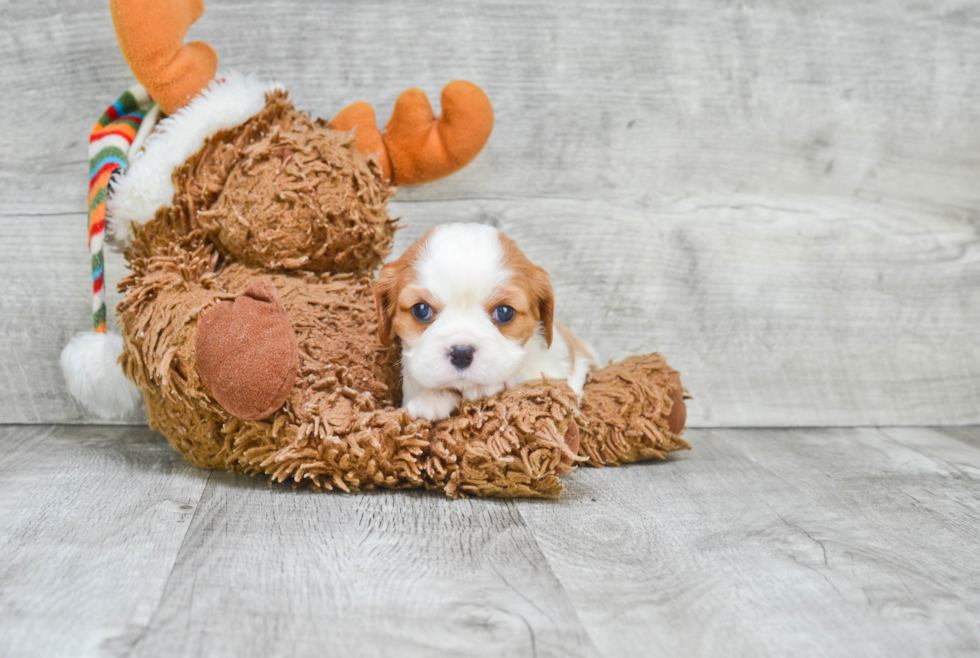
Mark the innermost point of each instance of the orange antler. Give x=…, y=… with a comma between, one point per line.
x=151, y=37
x=416, y=146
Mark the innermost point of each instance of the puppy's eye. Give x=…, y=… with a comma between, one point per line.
x=503, y=314
x=422, y=312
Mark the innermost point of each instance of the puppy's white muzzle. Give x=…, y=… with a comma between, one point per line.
x=430, y=361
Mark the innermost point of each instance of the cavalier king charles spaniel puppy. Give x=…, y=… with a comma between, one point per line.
x=474, y=317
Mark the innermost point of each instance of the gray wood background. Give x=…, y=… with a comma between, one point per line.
x=781, y=197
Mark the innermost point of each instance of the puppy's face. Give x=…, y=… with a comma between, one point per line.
x=464, y=301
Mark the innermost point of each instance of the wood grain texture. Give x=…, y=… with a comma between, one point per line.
x=780, y=197
x=267, y=571
x=91, y=521
x=822, y=542
x=50, y=302
x=967, y=435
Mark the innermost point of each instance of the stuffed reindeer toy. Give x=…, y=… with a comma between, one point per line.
x=249, y=325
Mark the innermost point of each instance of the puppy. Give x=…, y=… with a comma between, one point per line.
x=474, y=316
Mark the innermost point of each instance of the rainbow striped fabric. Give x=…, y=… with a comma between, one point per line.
x=108, y=151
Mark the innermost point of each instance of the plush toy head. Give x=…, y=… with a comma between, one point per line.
x=294, y=195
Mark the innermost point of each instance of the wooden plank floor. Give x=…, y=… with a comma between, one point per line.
x=758, y=542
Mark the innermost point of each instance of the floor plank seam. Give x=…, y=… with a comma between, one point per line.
x=99, y=423
x=177, y=554
x=561, y=585
x=883, y=432
x=73, y=213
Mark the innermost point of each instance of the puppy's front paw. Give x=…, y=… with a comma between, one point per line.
x=516, y=380
x=477, y=392
x=433, y=405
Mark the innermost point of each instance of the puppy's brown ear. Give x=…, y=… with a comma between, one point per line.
x=544, y=298
x=385, y=300
x=393, y=277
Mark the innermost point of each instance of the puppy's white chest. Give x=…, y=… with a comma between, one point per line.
x=558, y=361
x=542, y=361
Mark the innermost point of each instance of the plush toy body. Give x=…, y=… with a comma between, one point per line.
x=249, y=322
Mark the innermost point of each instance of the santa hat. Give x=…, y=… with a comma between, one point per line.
x=132, y=155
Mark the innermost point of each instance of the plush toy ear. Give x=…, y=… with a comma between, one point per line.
x=385, y=298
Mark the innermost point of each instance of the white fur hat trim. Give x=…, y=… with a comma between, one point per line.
x=147, y=183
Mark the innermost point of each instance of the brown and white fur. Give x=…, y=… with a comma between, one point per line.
x=465, y=348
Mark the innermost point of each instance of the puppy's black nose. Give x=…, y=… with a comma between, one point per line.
x=462, y=356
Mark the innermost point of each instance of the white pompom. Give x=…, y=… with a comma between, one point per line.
x=89, y=363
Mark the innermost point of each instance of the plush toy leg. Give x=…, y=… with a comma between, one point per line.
x=503, y=448
x=631, y=411
x=416, y=146
x=151, y=37
x=515, y=444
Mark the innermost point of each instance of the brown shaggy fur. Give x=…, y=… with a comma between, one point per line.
x=285, y=200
